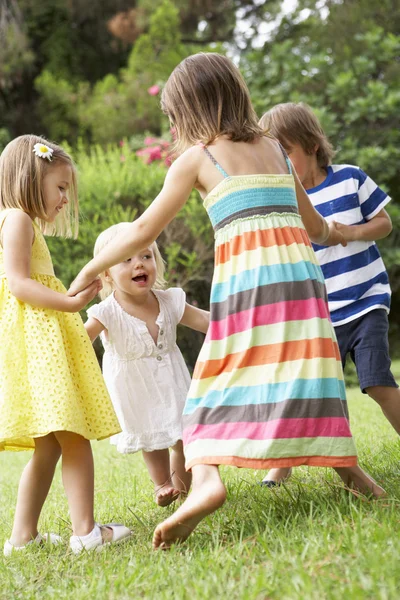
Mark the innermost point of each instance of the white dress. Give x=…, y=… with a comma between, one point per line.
x=148, y=382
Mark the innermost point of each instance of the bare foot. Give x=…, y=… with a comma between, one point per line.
x=278, y=475
x=357, y=479
x=166, y=495
x=203, y=501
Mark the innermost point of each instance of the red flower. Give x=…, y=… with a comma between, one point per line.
x=155, y=153
x=148, y=141
x=154, y=90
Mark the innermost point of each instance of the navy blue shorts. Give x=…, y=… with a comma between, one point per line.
x=366, y=340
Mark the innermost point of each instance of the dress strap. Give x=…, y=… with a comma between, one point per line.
x=213, y=160
x=289, y=164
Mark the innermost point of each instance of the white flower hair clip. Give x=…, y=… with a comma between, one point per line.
x=43, y=151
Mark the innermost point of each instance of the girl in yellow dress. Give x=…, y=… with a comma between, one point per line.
x=52, y=396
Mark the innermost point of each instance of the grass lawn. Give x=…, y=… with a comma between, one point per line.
x=307, y=540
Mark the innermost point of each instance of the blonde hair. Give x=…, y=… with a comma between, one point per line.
x=106, y=237
x=206, y=97
x=21, y=184
x=293, y=123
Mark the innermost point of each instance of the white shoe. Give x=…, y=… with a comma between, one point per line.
x=50, y=538
x=94, y=539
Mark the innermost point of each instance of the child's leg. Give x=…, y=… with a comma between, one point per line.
x=208, y=493
x=33, y=488
x=158, y=466
x=356, y=478
x=388, y=399
x=78, y=480
x=180, y=477
x=371, y=355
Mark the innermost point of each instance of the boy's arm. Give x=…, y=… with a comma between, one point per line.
x=93, y=328
x=195, y=318
x=377, y=228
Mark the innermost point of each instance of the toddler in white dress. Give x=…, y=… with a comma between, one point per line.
x=144, y=370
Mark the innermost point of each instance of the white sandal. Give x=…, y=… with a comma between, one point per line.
x=49, y=538
x=94, y=540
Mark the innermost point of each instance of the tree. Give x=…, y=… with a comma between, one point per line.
x=119, y=105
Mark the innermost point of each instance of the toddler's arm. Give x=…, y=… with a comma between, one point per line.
x=317, y=228
x=195, y=318
x=377, y=228
x=93, y=328
x=17, y=240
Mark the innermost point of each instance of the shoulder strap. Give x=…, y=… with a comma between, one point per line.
x=289, y=164
x=216, y=164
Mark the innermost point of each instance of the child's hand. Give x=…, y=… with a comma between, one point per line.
x=81, y=282
x=347, y=231
x=336, y=236
x=82, y=298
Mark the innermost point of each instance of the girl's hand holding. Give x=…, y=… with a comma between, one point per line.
x=81, y=282
x=348, y=231
x=335, y=236
x=81, y=299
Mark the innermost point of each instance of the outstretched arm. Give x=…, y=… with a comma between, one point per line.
x=195, y=318
x=179, y=182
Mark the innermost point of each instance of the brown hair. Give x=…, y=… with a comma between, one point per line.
x=106, y=237
x=21, y=178
x=206, y=97
x=293, y=123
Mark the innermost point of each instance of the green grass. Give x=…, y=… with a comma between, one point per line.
x=308, y=540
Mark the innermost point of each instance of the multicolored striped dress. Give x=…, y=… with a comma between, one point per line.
x=268, y=388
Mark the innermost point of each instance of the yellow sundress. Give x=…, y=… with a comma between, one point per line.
x=50, y=379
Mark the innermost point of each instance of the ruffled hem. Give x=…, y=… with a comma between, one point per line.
x=26, y=441
x=274, y=463
x=127, y=443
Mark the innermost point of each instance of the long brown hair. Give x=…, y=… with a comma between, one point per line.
x=206, y=97
x=293, y=123
x=21, y=184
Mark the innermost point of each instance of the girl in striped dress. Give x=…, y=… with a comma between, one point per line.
x=268, y=387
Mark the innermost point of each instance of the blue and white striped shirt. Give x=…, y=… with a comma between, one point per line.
x=355, y=276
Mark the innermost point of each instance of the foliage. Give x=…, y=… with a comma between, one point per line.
x=76, y=44
x=119, y=104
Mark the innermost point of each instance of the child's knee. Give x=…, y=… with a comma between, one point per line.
x=382, y=394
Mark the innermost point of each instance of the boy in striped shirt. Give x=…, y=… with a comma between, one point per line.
x=355, y=275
